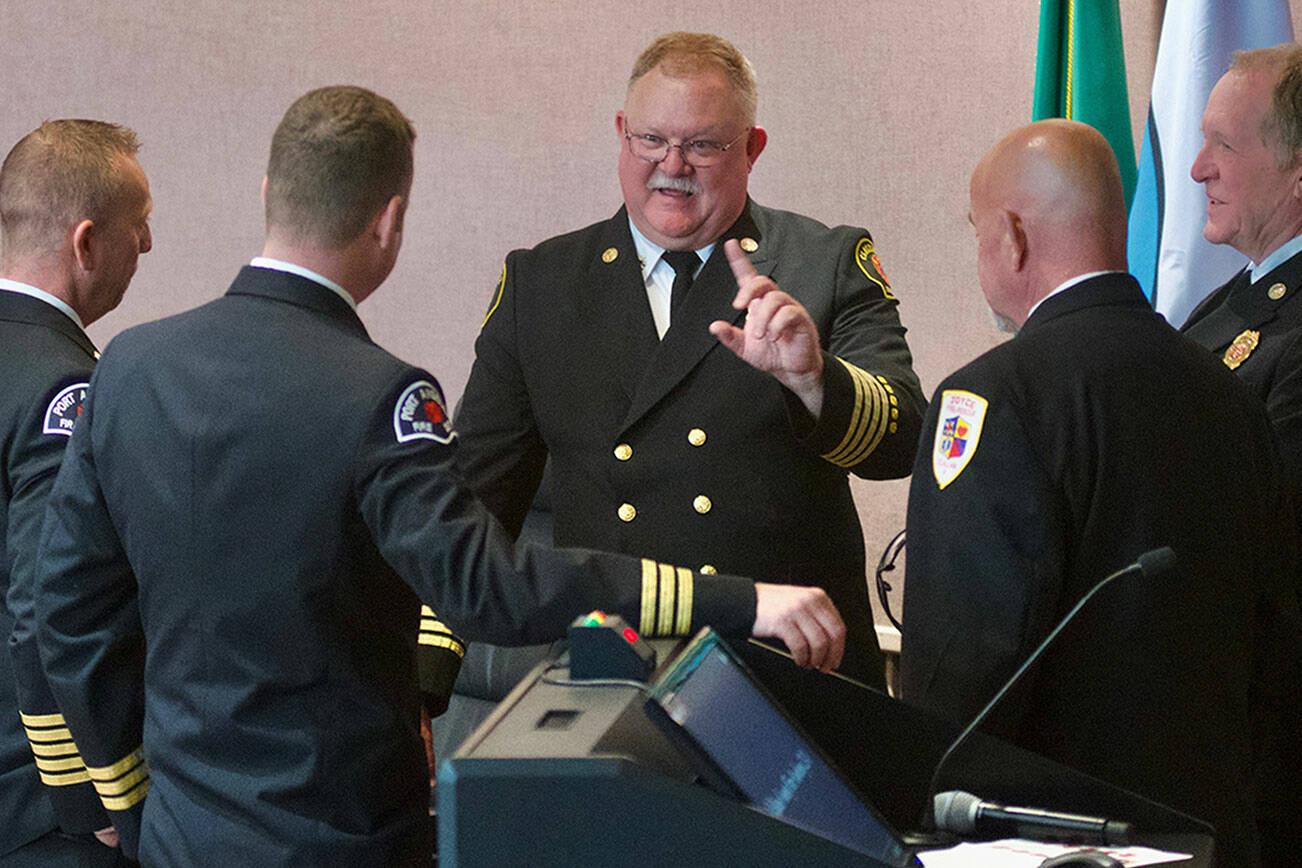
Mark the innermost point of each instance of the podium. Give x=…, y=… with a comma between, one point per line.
x=565, y=775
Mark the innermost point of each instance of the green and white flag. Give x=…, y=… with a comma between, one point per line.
x=1080, y=74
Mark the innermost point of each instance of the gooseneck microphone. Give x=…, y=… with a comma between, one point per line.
x=965, y=814
x=1151, y=564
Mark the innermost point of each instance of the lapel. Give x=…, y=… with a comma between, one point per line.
x=16, y=307
x=300, y=292
x=612, y=300
x=1247, y=306
x=688, y=340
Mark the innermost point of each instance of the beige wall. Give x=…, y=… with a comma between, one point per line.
x=876, y=112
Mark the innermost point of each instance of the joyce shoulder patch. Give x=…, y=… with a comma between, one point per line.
x=958, y=430
x=420, y=414
x=64, y=410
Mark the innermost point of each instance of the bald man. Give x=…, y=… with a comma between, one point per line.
x=1094, y=435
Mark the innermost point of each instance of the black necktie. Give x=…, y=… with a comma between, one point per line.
x=684, y=263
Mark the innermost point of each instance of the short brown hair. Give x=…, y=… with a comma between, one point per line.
x=62, y=172
x=684, y=53
x=1281, y=128
x=339, y=154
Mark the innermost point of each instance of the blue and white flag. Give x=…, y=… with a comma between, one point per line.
x=1174, y=263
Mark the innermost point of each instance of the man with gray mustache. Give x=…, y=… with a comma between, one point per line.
x=616, y=353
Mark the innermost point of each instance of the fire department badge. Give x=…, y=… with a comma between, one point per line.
x=64, y=410
x=866, y=258
x=1242, y=347
x=420, y=414
x=957, y=433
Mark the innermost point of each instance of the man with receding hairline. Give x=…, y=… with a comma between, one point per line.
x=1251, y=167
x=74, y=212
x=614, y=353
x=250, y=504
x=1057, y=458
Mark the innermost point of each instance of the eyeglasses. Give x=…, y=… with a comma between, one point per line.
x=698, y=153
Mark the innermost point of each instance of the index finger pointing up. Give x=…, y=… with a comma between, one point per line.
x=740, y=262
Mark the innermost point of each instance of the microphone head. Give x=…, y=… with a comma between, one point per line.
x=956, y=811
x=1157, y=562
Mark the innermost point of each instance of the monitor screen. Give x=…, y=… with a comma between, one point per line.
x=738, y=732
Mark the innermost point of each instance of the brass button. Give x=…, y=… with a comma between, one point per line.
x=627, y=512
x=610, y=254
x=702, y=504
x=696, y=437
x=749, y=245
x=708, y=570
x=1276, y=291
x=623, y=452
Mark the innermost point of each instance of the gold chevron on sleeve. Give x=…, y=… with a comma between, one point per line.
x=683, y=625
x=435, y=633
x=668, y=589
x=42, y=720
x=647, y=612
x=875, y=412
x=57, y=760
x=124, y=783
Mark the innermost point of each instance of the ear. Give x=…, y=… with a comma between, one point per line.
x=264, y=191
x=83, y=245
x=619, y=123
x=388, y=224
x=1014, y=235
x=755, y=143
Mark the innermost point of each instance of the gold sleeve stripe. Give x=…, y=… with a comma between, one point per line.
x=47, y=736
x=119, y=786
x=497, y=299
x=685, y=585
x=41, y=720
x=62, y=748
x=665, y=624
x=65, y=780
x=869, y=420
x=427, y=612
x=119, y=768
x=122, y=803
x=443, y=642
x=647, y=619
x=66, y=764
x=430, y=625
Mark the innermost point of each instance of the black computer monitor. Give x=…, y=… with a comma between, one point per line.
x=743, y=744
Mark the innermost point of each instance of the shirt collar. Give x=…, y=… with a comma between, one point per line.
x=57, y=303
x=291, y=268
x=649, y=253
x=1286, y=251
x=1066, y=285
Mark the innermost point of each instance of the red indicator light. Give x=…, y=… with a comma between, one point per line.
x=630, y=635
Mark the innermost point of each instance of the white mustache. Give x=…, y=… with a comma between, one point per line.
x=661, y=181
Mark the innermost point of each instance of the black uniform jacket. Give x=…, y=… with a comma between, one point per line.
x=1106, y=434
x=45, y=363
x=253, y=493
x=1268, y=356
x=675, y=448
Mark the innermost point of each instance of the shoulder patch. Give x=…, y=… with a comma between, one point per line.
x=64, y=410
x=866, y=258
x=958, y=431
x=420, y=414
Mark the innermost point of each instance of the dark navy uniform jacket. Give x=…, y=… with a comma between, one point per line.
x=253, y=499
x=45, y=363
x=1265, y=319
x=675, y=448
x=1057, y=458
